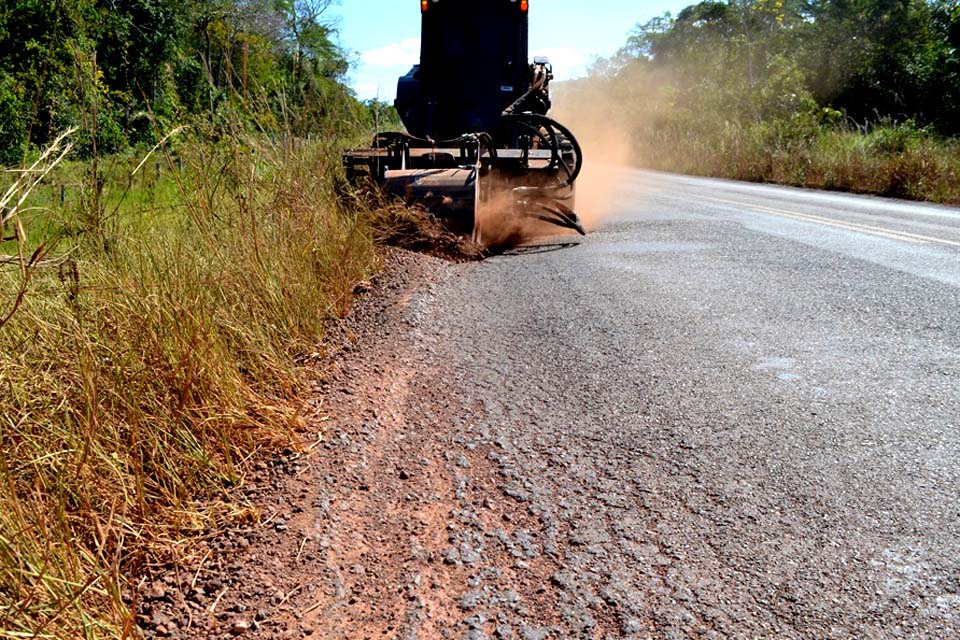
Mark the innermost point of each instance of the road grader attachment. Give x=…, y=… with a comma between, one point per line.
x=477, y=137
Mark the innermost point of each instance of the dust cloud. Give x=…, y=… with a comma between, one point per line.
x=603, y=132
x=500, y=228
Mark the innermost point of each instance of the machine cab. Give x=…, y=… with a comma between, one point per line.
x=473, y=64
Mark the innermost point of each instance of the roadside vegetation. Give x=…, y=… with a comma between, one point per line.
x=175, y=234
x=859, y=96
x=174, y=244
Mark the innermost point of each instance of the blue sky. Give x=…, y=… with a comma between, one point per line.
x=384, y=35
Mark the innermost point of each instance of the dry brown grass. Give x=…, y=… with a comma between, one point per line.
x=413, y=229
x=890, y=160
x=148, y=361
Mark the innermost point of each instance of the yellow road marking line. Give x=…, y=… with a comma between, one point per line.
x=849, y=226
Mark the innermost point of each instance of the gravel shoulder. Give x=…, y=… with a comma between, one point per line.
x=398, y=523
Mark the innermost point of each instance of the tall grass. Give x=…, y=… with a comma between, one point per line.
x=883, y=158
x=780, y=136
x=152, y=354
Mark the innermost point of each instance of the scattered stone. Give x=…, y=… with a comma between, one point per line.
x=510, y=598
x=563, y=579
x=476, y=621
x=632, y=626
x=451, y=556
x=471, y=600
x=533, y=633
x=513, y=491
x=468, y=554
x=156, y=592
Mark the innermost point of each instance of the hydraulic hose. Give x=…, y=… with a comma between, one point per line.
x=541, y=122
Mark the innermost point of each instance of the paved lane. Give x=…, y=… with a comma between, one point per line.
x=735, y=410
x=926, y=236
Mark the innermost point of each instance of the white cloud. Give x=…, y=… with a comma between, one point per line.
x=366, y=90
x=405, y=52
x=567, y=62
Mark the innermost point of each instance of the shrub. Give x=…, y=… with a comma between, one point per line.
x=13, y=123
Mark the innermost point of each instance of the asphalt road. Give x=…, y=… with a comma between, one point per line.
x=734, y=410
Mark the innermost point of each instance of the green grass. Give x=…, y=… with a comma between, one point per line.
x=160, y=344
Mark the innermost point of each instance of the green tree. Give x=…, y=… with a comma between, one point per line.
x=13, y=125
x=121, y=69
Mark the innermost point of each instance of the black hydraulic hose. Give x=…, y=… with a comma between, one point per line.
x=558, y=217
x=550, y=139
x=540, y=79
x=392, y=137
x=546, y=122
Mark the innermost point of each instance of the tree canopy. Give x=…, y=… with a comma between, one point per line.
x=122, y=69
x=869, y=59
